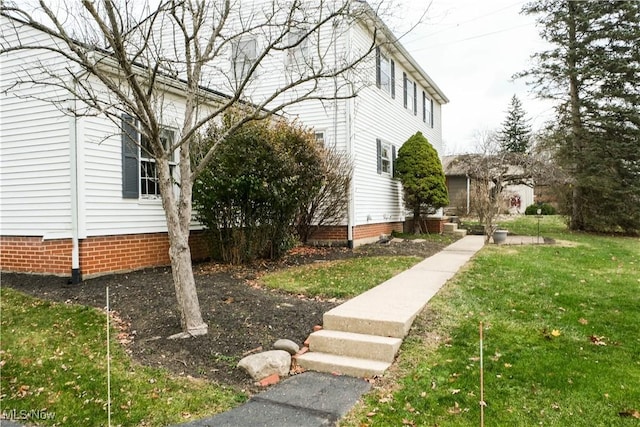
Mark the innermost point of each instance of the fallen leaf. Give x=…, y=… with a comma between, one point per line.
x=555, y=333
x=632, y=413
x=455, y=409
x=597, y=340
x=406, y=422
x=583, y=321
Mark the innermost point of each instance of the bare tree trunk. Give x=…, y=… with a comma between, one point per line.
x=178, y=214
x=190, y=315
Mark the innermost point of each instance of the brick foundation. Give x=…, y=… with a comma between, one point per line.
x=98, y=255
x=433, y=225
x=338, y=234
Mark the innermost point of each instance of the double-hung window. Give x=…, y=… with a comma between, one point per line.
x=427, y=109
x=410, y=96
x=149, y=185
x=298, y=53
x=385, y=73
x=386, y=154
x=244, y=53
x=139, y=169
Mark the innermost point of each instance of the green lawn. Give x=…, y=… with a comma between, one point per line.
x=561, y=340
x=339, y=279
x=53, y=369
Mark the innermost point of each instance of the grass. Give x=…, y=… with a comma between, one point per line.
x=53, y=364
x=339, y=279
x=561, y=340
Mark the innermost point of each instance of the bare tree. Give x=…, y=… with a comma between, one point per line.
x=126, y=57
x=492, y=171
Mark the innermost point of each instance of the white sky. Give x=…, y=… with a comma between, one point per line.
x=471, y=49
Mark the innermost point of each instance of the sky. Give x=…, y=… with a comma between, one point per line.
x=471, y=49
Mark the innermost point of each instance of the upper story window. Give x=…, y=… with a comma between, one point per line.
x=427, y=109
x=244, y=52
x=385, y=73
x=410, y=94
x=298, y=39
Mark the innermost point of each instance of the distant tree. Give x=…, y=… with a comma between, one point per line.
x=419, y=169
x=492, y=170
x=515, y=135
x=592, y=70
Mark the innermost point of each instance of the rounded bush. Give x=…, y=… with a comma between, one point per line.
x=545, y=209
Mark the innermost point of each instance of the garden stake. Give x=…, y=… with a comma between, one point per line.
x=482, y=404
x=108, y=367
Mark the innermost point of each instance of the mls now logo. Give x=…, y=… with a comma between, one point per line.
x=32, y=414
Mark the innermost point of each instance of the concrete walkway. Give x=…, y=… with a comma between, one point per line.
x=363, y=332
x=362, y=336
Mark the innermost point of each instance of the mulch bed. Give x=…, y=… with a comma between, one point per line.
x=242, y=317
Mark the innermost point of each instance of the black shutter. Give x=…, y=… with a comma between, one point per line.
x=393, y=79
x=431, y=118
x=424, y=107
x=378, y=67
x=404, y=88
x=393, y=160
x=130, y=163
x=379, y=155
x=415, y=99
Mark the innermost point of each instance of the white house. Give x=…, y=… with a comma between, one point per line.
x=67, y=202
x=395, y=98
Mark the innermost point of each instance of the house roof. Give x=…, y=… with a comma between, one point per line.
x=404, y=58
x=451, y=167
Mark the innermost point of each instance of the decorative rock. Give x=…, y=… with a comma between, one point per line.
x=262, y=365
x=286, y=345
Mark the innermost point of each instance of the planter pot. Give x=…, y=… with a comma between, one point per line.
x=499, y=236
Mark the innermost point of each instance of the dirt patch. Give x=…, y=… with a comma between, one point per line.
x=242, y=316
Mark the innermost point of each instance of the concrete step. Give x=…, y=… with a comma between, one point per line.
x=449, y=228
x=461, y=232
x=354, y=345
x=352, y=366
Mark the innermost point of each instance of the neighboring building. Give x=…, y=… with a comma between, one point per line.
x=460, y=187
x=69, y=203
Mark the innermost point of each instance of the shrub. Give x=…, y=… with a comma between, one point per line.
x=545, y=209
x=252, y=192
x=419, y=169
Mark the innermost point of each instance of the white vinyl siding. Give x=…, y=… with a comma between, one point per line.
x=34, y=152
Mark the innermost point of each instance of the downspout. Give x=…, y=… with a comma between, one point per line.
x=468, y=195
x=76, y=274
x=351, y=209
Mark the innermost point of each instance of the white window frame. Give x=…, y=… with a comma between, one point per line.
x=298, y=54
x=149, y=183
x=385, y=73
x=386, y=166
x=244, y=53
x=320, y=136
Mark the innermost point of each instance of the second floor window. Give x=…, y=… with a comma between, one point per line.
x=385, y=73
x=410, y=94
x=244, y=52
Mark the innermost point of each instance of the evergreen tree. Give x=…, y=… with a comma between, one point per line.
x=593, y=70
x=419, y=169
x=515, y=135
